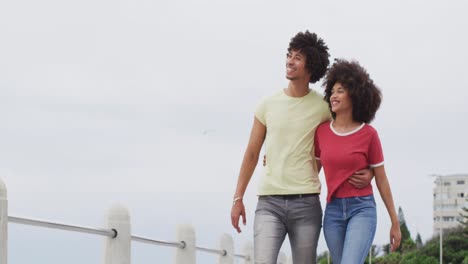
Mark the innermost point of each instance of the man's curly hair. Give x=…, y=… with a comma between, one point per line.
x=316, y=53
x=365, y=95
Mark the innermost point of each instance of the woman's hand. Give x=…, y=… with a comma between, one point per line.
x=395, y=236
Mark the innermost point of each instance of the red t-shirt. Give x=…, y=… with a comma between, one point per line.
x=342, y=154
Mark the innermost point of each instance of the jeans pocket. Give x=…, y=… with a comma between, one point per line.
x=311, y=200
x=368, y=199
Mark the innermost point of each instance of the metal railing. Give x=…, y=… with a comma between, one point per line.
x=80, y=229
x=118, y=238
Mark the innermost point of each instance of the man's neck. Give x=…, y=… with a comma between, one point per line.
x=297, y=88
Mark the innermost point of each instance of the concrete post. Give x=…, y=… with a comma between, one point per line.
x=226, y=243
x=118, y=249
x=186, y=255
x=3, y=223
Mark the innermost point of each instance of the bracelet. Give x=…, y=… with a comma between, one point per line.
x=236, y=199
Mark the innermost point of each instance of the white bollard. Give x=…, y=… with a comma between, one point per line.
x=186, y=255
x=248, y=253
x=118, y=249
x=282, y=258
x=226, y=243
x=3, y=223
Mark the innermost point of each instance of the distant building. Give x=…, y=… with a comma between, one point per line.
x=450, y=196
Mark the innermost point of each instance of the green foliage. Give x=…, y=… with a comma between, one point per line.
x=407, y=242
x=323, y=261
x=386, y=249
x=464, y=221
x=405, y=234
x=455, y=247
x=322, y=258
x=408, y=245
x=392, y=258
x=418, y=241
x=465, y=261
x=375, y=250
x=417, y=258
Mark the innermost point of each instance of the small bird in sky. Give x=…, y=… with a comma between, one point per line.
x=208, y=131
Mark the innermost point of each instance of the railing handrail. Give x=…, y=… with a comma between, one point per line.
x=221, y=252
x=180, y=244
x=117, y=233
x=67, y=227
x=111, y=233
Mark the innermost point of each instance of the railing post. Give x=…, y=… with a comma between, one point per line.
x=3, y=223
x=282, y=258
x=248, y=253
x=226, y=243
x=186, y=255
x=118, y=249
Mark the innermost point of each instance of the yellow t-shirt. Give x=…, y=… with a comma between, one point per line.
x=290, y=128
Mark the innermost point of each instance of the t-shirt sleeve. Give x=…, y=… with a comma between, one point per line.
x=376, y=158
x=260, y=112
x=317, y=150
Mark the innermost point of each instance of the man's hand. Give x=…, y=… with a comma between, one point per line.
x=362, y=178
x=237, y=211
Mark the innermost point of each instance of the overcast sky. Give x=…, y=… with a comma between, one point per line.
x=149, y=104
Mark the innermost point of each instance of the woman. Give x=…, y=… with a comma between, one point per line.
x=345, y=145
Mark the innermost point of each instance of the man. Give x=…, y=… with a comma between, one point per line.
x=289, y=190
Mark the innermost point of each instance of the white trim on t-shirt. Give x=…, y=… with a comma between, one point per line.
x=346, y=133
x=376, y=165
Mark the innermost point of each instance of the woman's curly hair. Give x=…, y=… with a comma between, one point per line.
x=365, y=95
x=316, y=53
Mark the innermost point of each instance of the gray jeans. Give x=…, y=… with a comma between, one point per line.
x=276, y=216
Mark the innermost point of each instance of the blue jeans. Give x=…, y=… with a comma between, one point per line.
x=349, y=228
x=276, y=216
